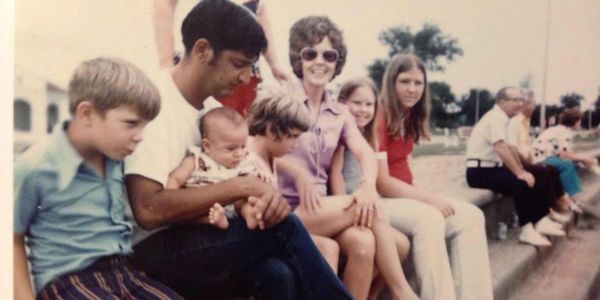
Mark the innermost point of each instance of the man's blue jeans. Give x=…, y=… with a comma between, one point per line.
x=204, y=262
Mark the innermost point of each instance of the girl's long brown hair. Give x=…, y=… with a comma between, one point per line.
x=401, y=122
x=346, y=91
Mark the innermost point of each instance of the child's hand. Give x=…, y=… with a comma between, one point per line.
x=309, y=197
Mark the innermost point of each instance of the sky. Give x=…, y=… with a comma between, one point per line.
x=6, y=212
x=503, y=40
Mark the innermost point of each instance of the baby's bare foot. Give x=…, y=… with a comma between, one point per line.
x=217, y=217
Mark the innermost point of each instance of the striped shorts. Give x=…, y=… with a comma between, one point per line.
x=109, y=278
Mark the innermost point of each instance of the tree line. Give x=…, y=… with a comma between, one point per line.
x=447, y=111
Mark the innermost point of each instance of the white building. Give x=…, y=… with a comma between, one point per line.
x=38, y=105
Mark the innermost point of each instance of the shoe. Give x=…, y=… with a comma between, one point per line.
x=560, y=218
x=575, y=207
x=548, y=227
x=530, y=236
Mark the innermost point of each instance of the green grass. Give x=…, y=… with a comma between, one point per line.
x=439, y=149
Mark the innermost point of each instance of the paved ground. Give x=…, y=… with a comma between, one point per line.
x=436, y=173
x=570, y=272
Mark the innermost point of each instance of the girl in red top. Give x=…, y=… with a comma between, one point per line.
x=429, y=218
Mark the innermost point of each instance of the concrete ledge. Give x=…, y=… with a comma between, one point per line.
x=512, y=263
x=571, y=271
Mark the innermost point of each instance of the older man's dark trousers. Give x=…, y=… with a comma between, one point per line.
x=530, y=203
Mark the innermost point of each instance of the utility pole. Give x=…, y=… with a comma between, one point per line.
x=545, y=75
x=476, y=106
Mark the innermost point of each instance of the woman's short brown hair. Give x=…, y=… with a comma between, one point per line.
x=570, y=116
x=310, y=31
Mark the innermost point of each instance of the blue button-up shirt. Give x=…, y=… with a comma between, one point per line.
x=69, y=214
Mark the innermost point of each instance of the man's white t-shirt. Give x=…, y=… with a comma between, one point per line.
x=491, y=128
x=166, y=138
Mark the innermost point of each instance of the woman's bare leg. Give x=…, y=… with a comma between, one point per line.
x=403, y=246
x=388, y=260
x=359, y=247
x=335, y=214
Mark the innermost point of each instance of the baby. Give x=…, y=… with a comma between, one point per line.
x=222, y=155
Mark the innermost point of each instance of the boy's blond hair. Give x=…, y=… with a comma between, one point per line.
x=280, y=112
x=109, y=83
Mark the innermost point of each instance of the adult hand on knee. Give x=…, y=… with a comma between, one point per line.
x=310, y=199
x=365, y=197
x=444, y=206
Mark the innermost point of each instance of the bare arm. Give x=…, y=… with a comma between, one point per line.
x=509, y=157
x=365, y=195
x=153, y=206
x=22, y=283
x=365, y=156
x=336, y=178
x=270, y=55
x=570, y=155
x=164, y=12
x=180, y=175
x=512, y=162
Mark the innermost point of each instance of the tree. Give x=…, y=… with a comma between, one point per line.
x=444, y=110
x=429, y=43
x=593, y=115
x=468, y=114
x=571, y=100
x=552, y=112
x=590, y=119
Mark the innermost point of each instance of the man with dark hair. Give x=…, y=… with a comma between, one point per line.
x=277, y=261
x=211, y=20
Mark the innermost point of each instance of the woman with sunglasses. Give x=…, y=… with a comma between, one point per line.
x=317, y=54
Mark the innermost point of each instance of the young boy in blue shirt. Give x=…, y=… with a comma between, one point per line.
x=69, y=193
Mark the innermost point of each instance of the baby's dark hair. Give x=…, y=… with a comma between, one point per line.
x=220, y=113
